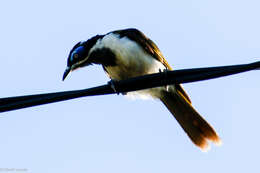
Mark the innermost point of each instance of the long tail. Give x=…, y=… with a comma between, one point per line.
x=193, y=124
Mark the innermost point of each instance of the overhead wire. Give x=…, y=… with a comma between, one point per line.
x=132, y=84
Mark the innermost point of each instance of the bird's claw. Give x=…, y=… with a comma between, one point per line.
x=111, y=83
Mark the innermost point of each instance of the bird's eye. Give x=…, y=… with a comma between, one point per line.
x=75, y=56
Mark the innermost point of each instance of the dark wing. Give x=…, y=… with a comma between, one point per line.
x=150, y=47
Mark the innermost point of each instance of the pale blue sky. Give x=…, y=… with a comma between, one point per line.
x=113, y=133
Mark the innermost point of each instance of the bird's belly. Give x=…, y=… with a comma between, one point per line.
x=139, y=67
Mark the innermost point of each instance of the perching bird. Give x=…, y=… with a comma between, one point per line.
x=129, y=53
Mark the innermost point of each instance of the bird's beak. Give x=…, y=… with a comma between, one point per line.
x=67, y=71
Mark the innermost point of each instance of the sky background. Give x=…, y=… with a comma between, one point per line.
x=114, y=133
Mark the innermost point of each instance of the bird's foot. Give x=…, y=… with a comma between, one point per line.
x=111, y=83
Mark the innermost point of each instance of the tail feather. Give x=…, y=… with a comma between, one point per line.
x=193, y=124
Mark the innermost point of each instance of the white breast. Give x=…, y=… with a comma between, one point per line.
x=131, y=61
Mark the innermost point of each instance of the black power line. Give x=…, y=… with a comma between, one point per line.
x=131, y=84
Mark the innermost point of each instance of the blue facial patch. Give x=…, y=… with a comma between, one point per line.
x=79, y=51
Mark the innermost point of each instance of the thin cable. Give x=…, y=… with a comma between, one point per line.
x=128, y=85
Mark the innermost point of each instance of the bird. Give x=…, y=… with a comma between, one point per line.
x=130, y=53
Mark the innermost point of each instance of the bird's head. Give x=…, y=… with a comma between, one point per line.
x=79, y=55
